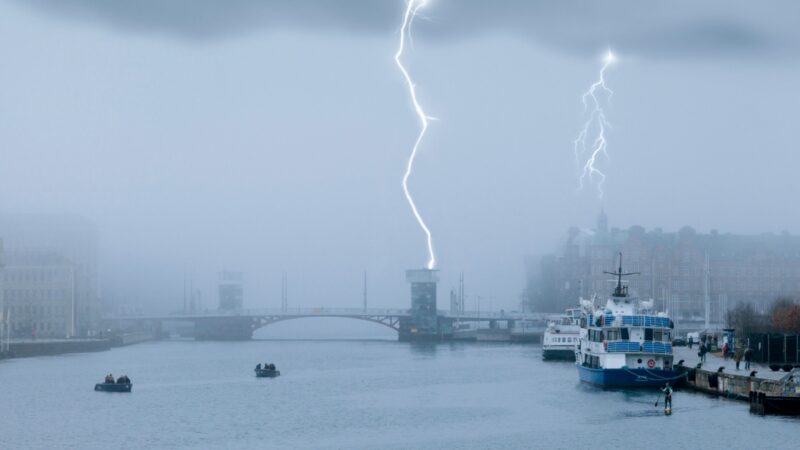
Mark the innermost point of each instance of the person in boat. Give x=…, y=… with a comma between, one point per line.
x=667, y=390
x=109, y=378
x=272, y=366
x=258, y=366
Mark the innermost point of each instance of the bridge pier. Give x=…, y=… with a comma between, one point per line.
x=423, y=322
x=236, y=328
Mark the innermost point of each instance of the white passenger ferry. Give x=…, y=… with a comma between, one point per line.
x=623, y=343
x=561, y=336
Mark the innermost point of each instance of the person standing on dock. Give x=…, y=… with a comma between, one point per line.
x=737, y=356
x=690, y=342
x=748, y=355
x=702, y=352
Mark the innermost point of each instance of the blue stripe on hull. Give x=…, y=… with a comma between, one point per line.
x=626, y=377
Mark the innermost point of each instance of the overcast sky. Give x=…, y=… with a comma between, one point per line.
x=269, y=136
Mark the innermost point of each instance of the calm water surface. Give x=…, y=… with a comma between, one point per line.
x=352, y=394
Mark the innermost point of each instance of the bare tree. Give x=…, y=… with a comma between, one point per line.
x=745, y=320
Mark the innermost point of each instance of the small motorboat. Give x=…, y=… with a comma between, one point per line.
x=267, y=373
x=113, y=387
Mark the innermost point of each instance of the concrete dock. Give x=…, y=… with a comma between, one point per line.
x=20, y=348
x=729, y=382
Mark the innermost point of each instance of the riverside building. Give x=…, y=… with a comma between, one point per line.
x=50, y=277
x=695, y=276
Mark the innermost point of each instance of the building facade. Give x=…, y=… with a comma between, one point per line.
x=692, y=275
x=50, y=267
x=39, y=295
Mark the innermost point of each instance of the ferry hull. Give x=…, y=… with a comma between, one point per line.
x=613, y=378
x=558, y=354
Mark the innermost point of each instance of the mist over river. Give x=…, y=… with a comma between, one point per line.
x=365, y=393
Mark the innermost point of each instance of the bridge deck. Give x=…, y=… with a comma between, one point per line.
x=469, y=316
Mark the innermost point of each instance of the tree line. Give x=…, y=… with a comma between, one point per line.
x=782, y=317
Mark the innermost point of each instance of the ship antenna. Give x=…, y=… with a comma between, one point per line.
x=620, y=291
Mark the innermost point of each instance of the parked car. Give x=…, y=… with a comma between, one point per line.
x=679, y=342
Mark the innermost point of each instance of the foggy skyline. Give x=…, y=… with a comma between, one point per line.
x=198, y=146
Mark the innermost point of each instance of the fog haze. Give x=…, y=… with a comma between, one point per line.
x=270, y=149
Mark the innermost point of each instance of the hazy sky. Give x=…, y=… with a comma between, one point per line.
x=271, y=136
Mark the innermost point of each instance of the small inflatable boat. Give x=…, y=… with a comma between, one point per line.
x=267, y=373
x=113, y=387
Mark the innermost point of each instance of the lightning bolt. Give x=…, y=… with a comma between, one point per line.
x=593, y=105
x=405, y=30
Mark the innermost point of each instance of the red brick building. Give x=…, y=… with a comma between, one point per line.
x=684, y=271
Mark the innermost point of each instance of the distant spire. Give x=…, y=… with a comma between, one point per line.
x=602, y=222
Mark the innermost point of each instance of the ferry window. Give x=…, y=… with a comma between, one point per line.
x=648, y=334
x=613, y=334
x=658, y=335
x=667, y=336
x=624, y=334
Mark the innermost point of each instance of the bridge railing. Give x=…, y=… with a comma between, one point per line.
x=500, y=315
x=326, y=311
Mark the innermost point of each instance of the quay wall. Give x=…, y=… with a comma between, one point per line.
x=731, y=385
x=56, y=347
x=133, y=338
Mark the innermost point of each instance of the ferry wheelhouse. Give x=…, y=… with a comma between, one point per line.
x=624, y=344
x=561, y=336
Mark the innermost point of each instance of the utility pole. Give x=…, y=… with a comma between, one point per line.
x=461, y=294
x=706, y=291
x=284, y=293
x=365, y=291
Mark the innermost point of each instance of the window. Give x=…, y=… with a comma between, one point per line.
x=648, y=334
x=624, y=334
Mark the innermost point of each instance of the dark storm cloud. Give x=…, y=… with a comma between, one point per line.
x=659, y=27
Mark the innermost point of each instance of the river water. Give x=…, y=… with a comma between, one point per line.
x=352, y=394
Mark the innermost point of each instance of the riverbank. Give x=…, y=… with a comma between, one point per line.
x=718, y=376
x=23, y=348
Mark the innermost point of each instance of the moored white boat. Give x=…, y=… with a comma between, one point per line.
x=561, y=336
x=625, y=344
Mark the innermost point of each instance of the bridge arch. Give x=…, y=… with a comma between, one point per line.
x=390, y=321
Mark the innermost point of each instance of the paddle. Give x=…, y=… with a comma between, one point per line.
x=657, y=399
